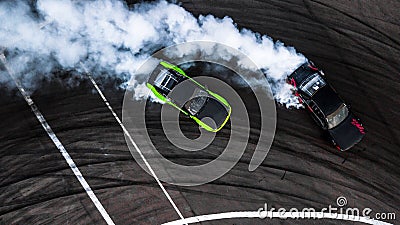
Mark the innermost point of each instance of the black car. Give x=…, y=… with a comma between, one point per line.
x=330, y=112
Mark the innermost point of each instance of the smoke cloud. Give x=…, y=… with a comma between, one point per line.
x=113, y=40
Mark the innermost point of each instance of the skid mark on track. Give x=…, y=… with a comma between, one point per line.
x=58, y=144
x=132, y=141
x=388, y=36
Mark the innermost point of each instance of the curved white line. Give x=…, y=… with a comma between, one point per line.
x=269, y=214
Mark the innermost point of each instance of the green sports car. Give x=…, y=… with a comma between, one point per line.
x=202, y=104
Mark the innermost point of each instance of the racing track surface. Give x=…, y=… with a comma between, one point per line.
x=356, y=43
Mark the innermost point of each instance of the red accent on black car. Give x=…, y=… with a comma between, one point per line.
x=313, y=67
x=293, y=82
x=358, y=125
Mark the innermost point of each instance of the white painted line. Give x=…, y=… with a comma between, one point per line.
x=57, y=142
x=269, y=214
x=132, y=141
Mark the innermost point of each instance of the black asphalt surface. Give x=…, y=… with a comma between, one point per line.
x=356, y=43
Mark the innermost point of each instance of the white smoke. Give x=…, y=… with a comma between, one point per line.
x=113, y=40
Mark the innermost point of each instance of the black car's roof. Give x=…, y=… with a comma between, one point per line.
x=327, y=100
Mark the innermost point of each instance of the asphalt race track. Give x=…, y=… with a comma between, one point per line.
x=356, y=43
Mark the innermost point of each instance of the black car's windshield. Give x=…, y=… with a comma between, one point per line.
x=312, y=83
x=338, y=116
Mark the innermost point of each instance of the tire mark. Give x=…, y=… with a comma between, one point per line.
x=360, y=22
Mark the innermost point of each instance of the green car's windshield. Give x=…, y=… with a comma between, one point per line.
x=197, y=101
x=338, y=116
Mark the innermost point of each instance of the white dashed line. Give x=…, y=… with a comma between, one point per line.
x=57, y=142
